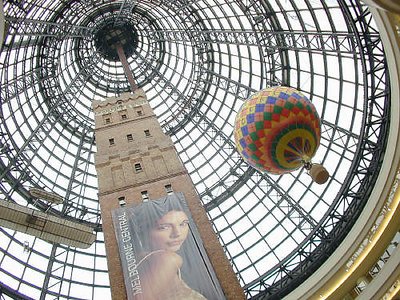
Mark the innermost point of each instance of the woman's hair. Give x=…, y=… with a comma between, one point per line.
x=146, y=215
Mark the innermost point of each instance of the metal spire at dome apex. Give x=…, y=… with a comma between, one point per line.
x=197, y=61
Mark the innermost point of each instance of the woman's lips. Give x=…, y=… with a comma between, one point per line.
x=175, y=243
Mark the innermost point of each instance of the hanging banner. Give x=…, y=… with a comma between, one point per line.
x=161, y=252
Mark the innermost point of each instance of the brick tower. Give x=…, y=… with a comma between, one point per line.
x=135, y=162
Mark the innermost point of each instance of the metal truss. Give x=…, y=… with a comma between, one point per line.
x=27, y=27
x=338, y=42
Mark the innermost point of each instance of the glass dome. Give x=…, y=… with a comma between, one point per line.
x=197, y=61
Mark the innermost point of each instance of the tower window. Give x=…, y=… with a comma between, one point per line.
x=111, y=141
x=107, y=118
x=145, y=196
x=129, y=137
x=138, y=167
x=139, y=113
x=121, y=201
x=168, y=189
x=123, y=114
x=147, y=133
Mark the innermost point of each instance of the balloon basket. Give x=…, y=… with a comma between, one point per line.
x=318, y=173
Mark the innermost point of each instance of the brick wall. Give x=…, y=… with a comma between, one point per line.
x=119, y=176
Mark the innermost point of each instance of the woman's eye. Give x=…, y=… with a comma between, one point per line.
x=185, y=223
x=163, y=227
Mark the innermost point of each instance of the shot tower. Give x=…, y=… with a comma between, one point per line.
x=137, y=162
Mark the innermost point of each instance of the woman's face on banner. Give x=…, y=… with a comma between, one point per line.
x=170, y=231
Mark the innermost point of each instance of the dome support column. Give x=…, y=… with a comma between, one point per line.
x=125, y=65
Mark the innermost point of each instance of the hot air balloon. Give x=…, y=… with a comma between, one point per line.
x=278, y=130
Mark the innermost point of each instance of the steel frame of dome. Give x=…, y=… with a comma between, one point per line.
x=197, y=62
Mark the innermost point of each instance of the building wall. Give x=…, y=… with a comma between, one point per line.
x=135, y=157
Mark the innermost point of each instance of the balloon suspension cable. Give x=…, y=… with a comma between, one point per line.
x=307, y=164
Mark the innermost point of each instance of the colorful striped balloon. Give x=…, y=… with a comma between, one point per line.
x=277, y=130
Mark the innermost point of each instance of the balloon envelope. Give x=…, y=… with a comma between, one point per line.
x=277, y=129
